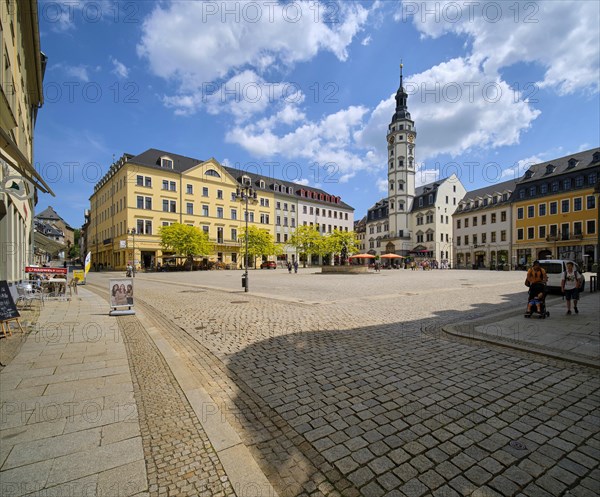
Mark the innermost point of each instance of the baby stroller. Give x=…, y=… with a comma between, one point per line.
x=537, y=296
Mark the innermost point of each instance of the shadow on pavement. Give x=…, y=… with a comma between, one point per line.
x=399, y=409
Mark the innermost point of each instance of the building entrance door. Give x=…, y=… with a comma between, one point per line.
x=479, y=259
x=147, y=261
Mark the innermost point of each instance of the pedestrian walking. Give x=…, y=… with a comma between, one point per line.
x=289, y=266
x=536, y=274
x=295, y=266
x=569, y=284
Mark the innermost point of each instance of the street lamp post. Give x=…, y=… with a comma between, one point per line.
x=132, y=231
x=245, y=193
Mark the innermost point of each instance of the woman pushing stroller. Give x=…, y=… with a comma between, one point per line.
x=536, y=281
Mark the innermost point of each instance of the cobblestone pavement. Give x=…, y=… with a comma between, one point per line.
x=180, y=460
x=361, y=397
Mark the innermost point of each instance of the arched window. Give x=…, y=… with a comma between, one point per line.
x=166, y=162
x=212, y=172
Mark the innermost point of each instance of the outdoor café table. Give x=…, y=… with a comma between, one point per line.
x=55, y=287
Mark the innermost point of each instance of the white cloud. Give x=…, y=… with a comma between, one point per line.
x=240, y=38
x=382, y=185
x=328, y=142
x=80, y=72
x=119, y=68
x=504, y=33
x=242, y=96
x=366, y=40
x=518, y=169
x=62, y=17
x=456, y=108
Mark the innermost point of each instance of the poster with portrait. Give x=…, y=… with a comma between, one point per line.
x=121, y=293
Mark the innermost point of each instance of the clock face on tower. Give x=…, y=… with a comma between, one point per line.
x=411, y=138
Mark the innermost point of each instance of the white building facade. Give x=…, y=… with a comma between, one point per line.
x=412, y=222
x=483, y=228
x=435, y=203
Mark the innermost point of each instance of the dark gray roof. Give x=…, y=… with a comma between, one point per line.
x=270, y=182
x=424, y=191
x=181, y=163
x=478, y=199
x=380, y=203
x=49, y=214
x=152, y=156
x=504, y=187
x=47, y=229
x=562, y=165
x=379, y=211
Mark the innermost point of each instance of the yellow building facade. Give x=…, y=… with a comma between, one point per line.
x=22, y=66
x=157, y=188
x=555, y=211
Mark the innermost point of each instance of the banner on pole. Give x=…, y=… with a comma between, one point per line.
x=88, y=263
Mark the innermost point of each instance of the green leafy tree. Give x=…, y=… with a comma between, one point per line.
x=260, y=243
x=341, y=242
x=307, y=240
x=186, y=240
x=73, y=249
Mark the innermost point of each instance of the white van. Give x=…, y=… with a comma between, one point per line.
x=555, y=268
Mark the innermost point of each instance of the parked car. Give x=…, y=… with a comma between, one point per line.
x=555, y=268
x=268, y=265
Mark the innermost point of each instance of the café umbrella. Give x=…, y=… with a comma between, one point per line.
x=392, y=256
x=362, y=256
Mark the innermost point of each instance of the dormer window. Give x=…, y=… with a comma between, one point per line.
x=572, y=163
x=166, y=163
x=529, y=174
x=550, y=168
x=290, y=191
x=262, y=183
x=430, y=200
x=596, y=157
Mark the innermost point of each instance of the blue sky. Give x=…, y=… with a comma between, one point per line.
x=304, y=90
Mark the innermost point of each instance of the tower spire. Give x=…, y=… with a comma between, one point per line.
x=401, y=66
x=401, y=98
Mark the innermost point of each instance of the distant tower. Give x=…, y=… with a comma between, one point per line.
x=401, y=140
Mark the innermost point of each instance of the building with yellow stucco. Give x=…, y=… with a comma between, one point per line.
x=141, y=193
x=22, y=66
x=555, y=210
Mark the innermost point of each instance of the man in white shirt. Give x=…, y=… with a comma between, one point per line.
x=569, y=285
